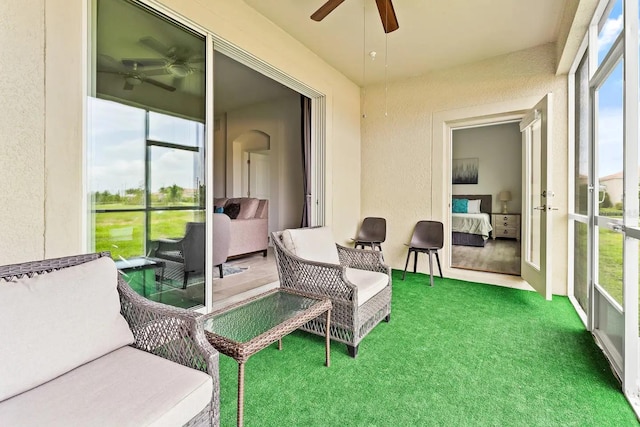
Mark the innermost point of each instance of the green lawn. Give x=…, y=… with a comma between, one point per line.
x=122, y=233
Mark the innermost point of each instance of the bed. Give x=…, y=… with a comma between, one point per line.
x=472, y=229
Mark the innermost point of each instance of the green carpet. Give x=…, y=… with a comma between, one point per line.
x=457, y=354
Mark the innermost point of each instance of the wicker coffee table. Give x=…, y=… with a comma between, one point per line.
x=243, y=329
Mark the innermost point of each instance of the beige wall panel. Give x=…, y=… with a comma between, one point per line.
x=22, y=118
x=397, y=166
x=64, y=155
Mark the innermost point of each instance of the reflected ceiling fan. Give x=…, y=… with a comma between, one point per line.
x=177, y=61
x=385, y=8
x=133, y=73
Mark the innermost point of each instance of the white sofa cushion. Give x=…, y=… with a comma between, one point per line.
x=55, y=322
x=369, y=283
x=313, y=244
x=127, y=387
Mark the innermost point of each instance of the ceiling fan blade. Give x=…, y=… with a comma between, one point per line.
x=154, y=44
x=145, y=62
x=388, y=15
x=160, y=85
x=107, y=63
x=325, y=9
x=156, y=72
x=178, y=82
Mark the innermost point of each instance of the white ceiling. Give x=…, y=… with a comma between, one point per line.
x=433, y=34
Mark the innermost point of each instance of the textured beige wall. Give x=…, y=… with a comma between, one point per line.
x=397, y=151
x=22, y=120
x=43, y=200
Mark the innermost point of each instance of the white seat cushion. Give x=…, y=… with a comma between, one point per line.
x=57, y=321
x=127, y=387
x=369, y=283
x=313, y=244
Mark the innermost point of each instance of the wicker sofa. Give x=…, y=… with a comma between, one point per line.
x=357, y=281
x=84, y=349
x=249, y=230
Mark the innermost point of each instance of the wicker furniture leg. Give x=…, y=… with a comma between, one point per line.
x=240, y=393
x=327, y=340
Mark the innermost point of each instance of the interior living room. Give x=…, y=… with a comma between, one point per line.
x=121, y=120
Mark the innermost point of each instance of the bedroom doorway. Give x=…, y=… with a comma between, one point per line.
x=486, y=171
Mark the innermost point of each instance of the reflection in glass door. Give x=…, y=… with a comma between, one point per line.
x=147, y=150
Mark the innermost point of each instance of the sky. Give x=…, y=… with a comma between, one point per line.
x=117, y=148
x=610, y=100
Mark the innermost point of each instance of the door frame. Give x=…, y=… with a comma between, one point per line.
x=444, y=122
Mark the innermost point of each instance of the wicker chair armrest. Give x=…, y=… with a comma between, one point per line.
x=363, y=259
x=322, y=279
x=173, y=333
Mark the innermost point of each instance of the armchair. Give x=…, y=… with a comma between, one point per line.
x=189, y=251
x=357, y=281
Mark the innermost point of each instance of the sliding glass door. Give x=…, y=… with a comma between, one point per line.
x=147, y=147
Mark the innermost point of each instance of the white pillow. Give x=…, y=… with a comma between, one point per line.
x=473, y=206
x=313, y=244
x=55, y=322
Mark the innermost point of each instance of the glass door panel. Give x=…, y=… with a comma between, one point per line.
x=175, y=177
x=537, y=202
x=581, y=152
x=147, y=130
x=609, y=277
x=610, y=183
x=609, y=28
x=115, y=166
x=580, y=266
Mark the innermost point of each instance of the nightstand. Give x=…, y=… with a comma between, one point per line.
x=506, y=225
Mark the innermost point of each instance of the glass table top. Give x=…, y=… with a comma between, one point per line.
x=247, y=321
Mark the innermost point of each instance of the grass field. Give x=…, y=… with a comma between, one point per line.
x=122, y=233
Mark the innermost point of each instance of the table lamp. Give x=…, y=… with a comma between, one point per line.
x=504, y=197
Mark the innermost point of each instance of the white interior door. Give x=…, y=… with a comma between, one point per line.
x=259, y=173
x=255, y=175
x=538, y=197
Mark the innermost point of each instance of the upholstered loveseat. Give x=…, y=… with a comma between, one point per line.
x=249, y=228
x=80, y=348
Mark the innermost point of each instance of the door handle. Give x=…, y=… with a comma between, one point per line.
x=540, y=208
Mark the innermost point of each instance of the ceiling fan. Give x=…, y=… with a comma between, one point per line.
x=385, y=8
x=133, y=73
x=176, y=60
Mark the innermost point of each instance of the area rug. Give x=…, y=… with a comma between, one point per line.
x=173, y=273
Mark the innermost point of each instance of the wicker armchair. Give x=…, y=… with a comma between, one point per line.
x=350, y=321
x=171, y=333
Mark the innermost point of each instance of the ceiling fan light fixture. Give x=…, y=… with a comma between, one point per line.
x=133, y=80
x=179, y=69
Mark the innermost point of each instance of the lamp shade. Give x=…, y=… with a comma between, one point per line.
x=504, y=196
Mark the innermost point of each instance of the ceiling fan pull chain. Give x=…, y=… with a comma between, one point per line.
x=364, y=61
x=386, y=63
